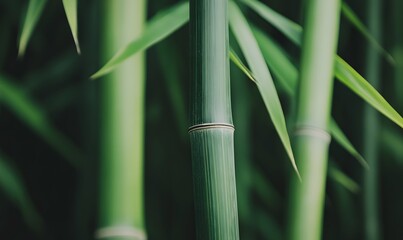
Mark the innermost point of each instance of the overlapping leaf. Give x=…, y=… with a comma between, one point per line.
x=13, y=187
x=264, y=81
x=70, y=7
x=337, y=175
x=35, y=8
x=355, y=20
x=159, y=28
x=343, y=71
x=34, y=117
x=287, y=74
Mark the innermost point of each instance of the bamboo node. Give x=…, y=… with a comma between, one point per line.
x=312, y=132
x=119, y=231
x=205, y=126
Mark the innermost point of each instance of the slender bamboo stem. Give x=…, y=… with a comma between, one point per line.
x=211, y=131
x=312, y=118
x=371, y=128
x=398, y=50
x=244, y=164
x=121, y=206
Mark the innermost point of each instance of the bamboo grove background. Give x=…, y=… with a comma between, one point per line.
x=54, y=119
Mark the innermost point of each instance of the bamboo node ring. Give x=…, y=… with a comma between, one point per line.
x=129, y=232
x=313, y=132
x=205, y=126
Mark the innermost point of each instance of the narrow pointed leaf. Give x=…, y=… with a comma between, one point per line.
x=159, y=28
x=341, y=138
x=352, y=79
x=70, y=7
x=289, y=28
x=34, y=117
x=340, y=177
x=355, y=20
x=13, y=187
x=278, y=62
x=238, y=62
x=264, y=81
x=287, y=74
x=35, y=8
x=343, y=71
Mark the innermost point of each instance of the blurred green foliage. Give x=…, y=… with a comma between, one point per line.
x=49, y=132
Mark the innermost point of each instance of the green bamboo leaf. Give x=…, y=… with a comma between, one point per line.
x=238, y=62
x=342, y=139
x=70, y=7
x=287, y=74
x=264, y=81
x=161, y=26
x=14, y=188
x=278, y=62
x=343, y=71
x=35, y=8
x=355, y=20
x=352, y=79
x=289, y=28
x=338, y=176
x=34, y=117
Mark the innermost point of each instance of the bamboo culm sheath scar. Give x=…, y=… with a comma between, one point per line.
x=321, y=26
x=121, y=188
x=211, y=131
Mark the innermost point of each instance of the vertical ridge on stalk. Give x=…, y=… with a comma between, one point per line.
x=312, y=119
x=211, y=130
x=121, y=191
x=371, y=129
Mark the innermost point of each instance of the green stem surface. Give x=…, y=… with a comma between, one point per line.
x=211, y=137
x=371, y=128
x=121, y=191
x=312, y=119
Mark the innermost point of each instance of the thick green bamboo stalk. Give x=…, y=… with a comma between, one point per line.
x=371, y=128
x=312, y=119
x=121, y=203
x=211, y=130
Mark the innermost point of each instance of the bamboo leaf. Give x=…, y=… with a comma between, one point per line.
x=355, y=20
x=238, y=62
x=278, y=62
x=159, y=28
x=343, y=179
x=13, y=187
x=287, y=74
x=264, y=81
x=289, y=28
x=70, y=7
x=352, y=79
x=343, y=71
x=35, y=8
x=34, y=117
x=341, y=138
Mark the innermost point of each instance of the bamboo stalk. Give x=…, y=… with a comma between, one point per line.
x=398, y=50
x=371, y=128
x=211, y=130
x=243, y=106
x=312, y=118
x=121, y=203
